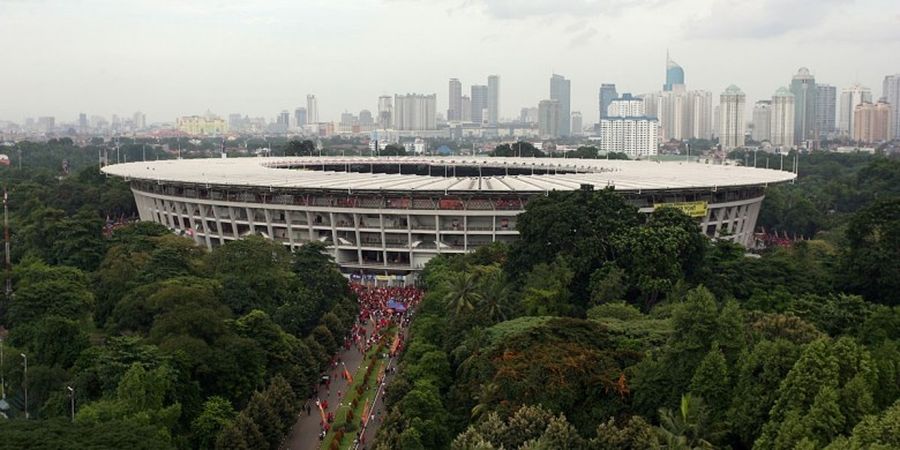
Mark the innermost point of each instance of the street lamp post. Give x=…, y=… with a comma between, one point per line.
x=2, y=374
x=25, y=382
x=72, y=400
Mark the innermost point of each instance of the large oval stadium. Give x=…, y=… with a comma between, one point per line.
x=391, y=215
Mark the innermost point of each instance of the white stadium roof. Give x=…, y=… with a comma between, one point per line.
x=281, y=172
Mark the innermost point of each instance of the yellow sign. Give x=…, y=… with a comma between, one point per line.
x=692, y=209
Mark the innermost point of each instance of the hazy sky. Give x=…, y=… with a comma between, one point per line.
x=174, y=57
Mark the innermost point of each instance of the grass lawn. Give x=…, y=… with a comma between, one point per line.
x=340, y=419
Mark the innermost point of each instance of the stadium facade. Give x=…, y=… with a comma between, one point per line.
x=391, y=215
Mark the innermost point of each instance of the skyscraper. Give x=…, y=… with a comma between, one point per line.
x=891, y=94
x=803, y=86
x=529, y=115
x=826, y=109
x=626, y=106
x=82, y=123
x=415, y=112
x=312, y=109
x=782, y=128
x=466, y=108
x=673, y=114
x=385, y=112
x=700, y=118
x=283, y=121
x=762, y=121
x=576, y=123
x=548, y=118
x=607, y=95
x=365, y=118
x=851, y=97
x=674, y=74
x=493, y=100
x=479, y=103
x=561, y=91
x=871, y=122
x=454, y=109
x=139, y=120
x=300, y=116
x=627, y=130
x=731, y=118
x=651, y=104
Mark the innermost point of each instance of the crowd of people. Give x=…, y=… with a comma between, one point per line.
x=380, y=308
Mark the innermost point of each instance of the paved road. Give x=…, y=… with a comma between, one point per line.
x=305, y=433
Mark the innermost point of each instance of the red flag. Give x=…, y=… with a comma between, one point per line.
x=321, y=411
x=347, y=375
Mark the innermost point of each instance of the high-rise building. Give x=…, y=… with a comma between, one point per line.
x=139, y=120
x=479, y=103
x=674, y=74
x=826, y=110
x=625, y=129
x=82, y=123
x=891, y=93
x=415, y=112
x=672, y=110
x=851, y=97
x=637, y=137
x=607, y=95
x=871, y=122
x=348, y=119
x=300, y=116
x=47, y=123
x=548, y=118
x=561, y=91
x=454, y=109
x=626, y=106
x=731, y=118
x=283, y=121
x=700, y=118
x=762, y=121
x=466, y=108
x=365, y=118
x=782, y=122
x=577, y=127
x=803, y=86
x=312, y=109
x=529, y=115
x=651, y=104
x=717, y=121
x=385, y=112
x=493, y=100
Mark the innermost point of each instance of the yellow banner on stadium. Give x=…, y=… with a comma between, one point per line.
x=693, y=209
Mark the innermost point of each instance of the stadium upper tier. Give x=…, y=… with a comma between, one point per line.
x=450, y=174
x=391, y=215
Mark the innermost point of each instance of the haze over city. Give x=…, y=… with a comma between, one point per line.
x=170, y=58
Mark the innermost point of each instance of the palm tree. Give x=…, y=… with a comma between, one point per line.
x=685, y=429
x=462, y=293
x=494, y=297
x=485, y=397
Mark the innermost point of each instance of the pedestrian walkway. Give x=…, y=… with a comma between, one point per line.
x=374, y=314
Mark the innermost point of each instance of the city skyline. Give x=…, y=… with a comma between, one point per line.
x=229, y=44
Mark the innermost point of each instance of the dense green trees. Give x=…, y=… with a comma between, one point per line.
x=868, y=264
x=159, y=339
x=623, y=330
